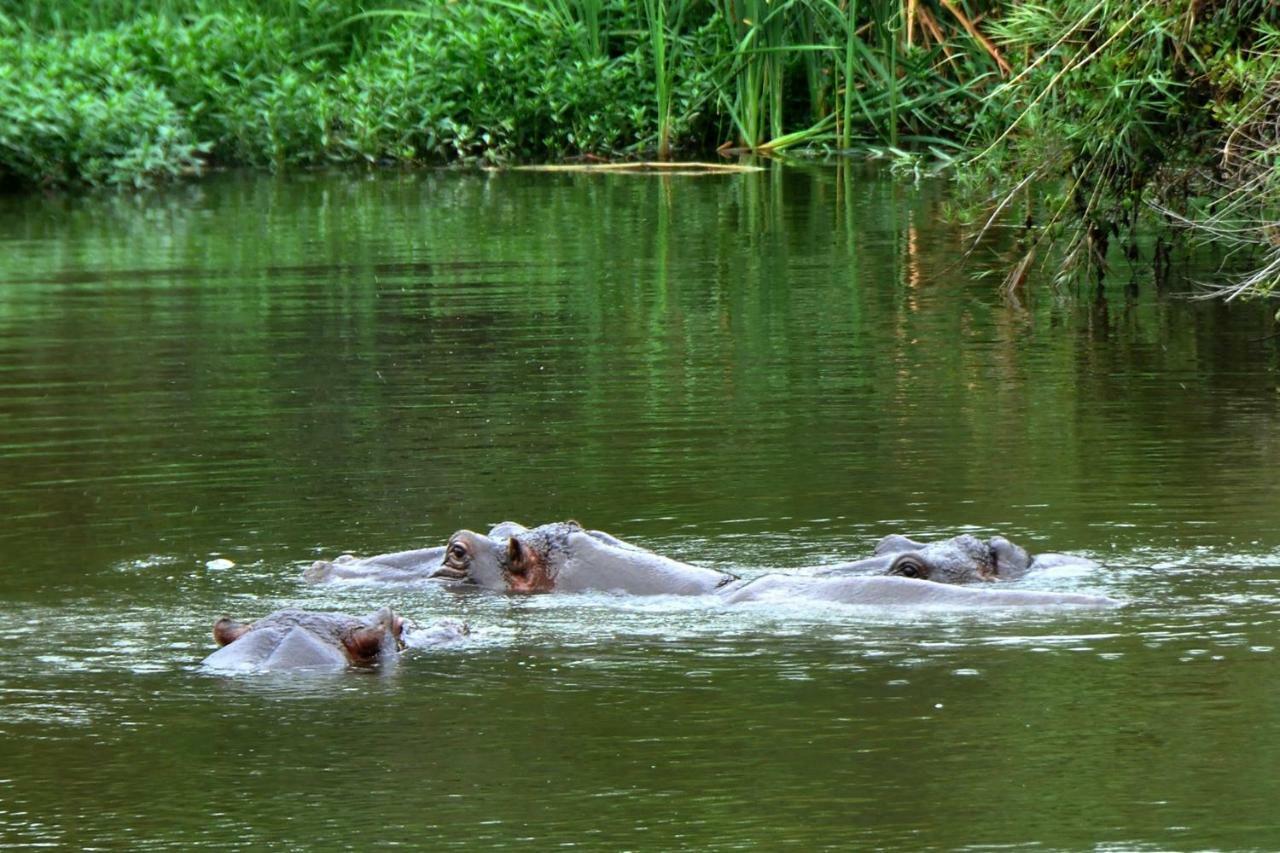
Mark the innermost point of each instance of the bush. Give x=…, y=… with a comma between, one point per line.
x=166, y=92
x=1127, y=108
x=71, y=110
x=476, y=87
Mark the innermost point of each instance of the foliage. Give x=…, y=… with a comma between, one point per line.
x=128, y=103
x=73, y=111
x=1120, y=111
x=1125, y=111
x=1244, y=209
x=477, y=88
x=116, y=92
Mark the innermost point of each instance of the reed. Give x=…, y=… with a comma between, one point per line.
x=660, y=39
x=753, y=94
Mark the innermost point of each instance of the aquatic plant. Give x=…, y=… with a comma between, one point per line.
x=1243, y=210
x=447, y=83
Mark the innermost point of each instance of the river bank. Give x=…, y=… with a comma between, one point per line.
x=1125, y=115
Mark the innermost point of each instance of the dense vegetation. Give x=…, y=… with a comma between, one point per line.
x=1121, y=111
x=92, y=95
x=1139, y=111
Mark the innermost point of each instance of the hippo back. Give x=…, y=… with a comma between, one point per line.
x=1062, y=561
x=399, y=567
x=589, y=562
x=885, y=590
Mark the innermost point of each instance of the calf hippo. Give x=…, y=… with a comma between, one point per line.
x=960, y=559
x=297, y=639
x=562, y=557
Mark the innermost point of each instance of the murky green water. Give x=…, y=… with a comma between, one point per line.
x=741, y=371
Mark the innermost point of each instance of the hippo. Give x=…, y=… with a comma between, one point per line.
x=398, y=567
x=409, y=567
x=298, y=639
x=960, y=559
x=563, y=557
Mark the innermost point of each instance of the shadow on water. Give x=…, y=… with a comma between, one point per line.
x=203, y=389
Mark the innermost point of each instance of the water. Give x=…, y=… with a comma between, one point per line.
x=739, y=371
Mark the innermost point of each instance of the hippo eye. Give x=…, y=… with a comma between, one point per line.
x=458, y=551
x=908, y=567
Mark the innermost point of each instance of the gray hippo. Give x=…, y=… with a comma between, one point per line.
x=399, y=567
x=298, y=639
x=960, y=559
x=421, y=564
x=562, y=557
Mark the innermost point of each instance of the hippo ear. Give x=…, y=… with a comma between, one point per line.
x=364, y=644
x=1008, y=560
x=226, y=630
x=517, y=557
x=387, y=620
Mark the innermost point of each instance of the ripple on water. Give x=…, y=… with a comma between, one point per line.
x=401, y=355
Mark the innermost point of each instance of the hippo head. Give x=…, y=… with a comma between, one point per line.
x=526, y=561
x=961, y=559
x=378, y=634
x=293, y=638
x=474, y=558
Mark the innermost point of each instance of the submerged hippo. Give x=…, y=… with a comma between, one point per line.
x=960, y=559
x=562, y=557
x=298, y=639
x=421, y=564
x=399, y=567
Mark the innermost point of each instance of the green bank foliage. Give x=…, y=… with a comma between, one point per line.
x=112, y=92
x=165, y=93
x=1124, y=114
x=1120, y=113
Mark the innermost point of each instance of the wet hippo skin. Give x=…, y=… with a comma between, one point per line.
x=300, y=639
x=562, y=557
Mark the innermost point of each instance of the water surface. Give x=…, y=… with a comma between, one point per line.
x=742, y=371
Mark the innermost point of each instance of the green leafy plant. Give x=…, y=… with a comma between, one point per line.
x=1122, y=114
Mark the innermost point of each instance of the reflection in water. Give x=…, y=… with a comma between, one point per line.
x=741, y=371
